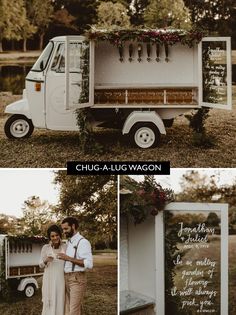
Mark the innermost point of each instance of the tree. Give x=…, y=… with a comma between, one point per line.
x=27, y=31
x=212, y=15
x=36, y=216
x=83, y=11
x=8, y=224
x=62, y=17
x=112, y=16
x=93, y=200
x=137, y=10
x=98, y=219
x=202, y=188
x=167, y=13
x=125, y=3
x=14, y=24
x=213, y=219
x=40, y=14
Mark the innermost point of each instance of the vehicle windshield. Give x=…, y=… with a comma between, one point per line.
x=43, y=59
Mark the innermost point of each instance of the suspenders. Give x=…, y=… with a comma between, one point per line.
x=76, y=248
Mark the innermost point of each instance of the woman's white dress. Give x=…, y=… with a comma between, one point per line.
x=53, y=288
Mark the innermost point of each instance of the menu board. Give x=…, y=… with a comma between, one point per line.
x=214, y=72
x=193, y=257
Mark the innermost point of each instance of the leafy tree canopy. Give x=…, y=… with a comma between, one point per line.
x=112, y=16
x=167, y=13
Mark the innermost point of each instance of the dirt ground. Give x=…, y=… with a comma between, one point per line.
x=101, y=297
x=54, y=148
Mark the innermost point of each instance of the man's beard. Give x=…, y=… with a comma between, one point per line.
x=70, y=234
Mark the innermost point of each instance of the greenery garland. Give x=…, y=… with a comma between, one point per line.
x=139, y=200
x=30, y=239
x=161, y=36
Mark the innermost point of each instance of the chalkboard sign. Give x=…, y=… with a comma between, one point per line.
x=195, y=265
x=216, y=79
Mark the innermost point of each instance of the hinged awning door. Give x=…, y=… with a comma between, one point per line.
x=215, y=82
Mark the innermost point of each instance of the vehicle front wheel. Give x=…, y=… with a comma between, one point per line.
x=18, y=126
x=29, y=290
x=145, y=135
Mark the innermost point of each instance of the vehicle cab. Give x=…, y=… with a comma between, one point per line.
x=53, y=88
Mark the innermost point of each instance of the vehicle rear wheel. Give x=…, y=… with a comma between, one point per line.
x=18, y=126
x=29, y=290
x=145, y=135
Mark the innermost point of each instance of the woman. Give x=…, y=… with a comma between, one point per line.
x=53, y=289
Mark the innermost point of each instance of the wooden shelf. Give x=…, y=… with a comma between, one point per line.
x=142, y=97
x=24, y=270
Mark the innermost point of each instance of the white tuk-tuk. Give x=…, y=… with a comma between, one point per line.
x=137, y=81
x=19, y=262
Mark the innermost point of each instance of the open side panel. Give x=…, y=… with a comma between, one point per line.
x=192, y=259
x=79, y=72
x=215, y=81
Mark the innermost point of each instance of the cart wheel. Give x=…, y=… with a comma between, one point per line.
x=18, y=126
x=145, y=135
x=29, y=290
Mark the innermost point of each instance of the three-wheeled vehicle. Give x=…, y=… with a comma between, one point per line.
x=19, y=262
x=137, y=81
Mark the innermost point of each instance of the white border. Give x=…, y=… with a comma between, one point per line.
x=227, y=106
x=160, y=257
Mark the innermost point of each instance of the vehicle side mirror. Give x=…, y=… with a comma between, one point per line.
x=41, y=65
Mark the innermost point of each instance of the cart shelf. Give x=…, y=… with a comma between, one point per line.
x=179, y=96
x=24, y=271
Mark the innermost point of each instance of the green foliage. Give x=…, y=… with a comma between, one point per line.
x=36, y=216
x=14, y=23
x=138, y=200
x=212, y=15
x=83, y=11
x=63, y=17
x=40, y=13
x=167, y=13
x=136, y=12
x=5, y=291
x=167, y=36
x=213, y=219
x=197, y=123
x=93, y=200
x=88, y=143
x=8, y=224
x=112, y=16
x=201, y=188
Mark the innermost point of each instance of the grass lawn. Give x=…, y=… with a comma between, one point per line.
x=101, y=297
x=54, y=148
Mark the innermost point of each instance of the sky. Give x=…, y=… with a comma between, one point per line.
x=16, y=185
x=224, y=176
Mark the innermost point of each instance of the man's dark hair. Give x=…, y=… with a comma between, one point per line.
x=71, y=221
x=54, y=228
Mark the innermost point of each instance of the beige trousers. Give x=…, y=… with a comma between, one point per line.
x=75, y=290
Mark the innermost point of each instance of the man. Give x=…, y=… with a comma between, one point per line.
x=78, y=258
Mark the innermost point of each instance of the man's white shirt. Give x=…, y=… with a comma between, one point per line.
x=83, y=252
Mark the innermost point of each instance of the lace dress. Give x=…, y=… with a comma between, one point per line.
x=53, y=288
